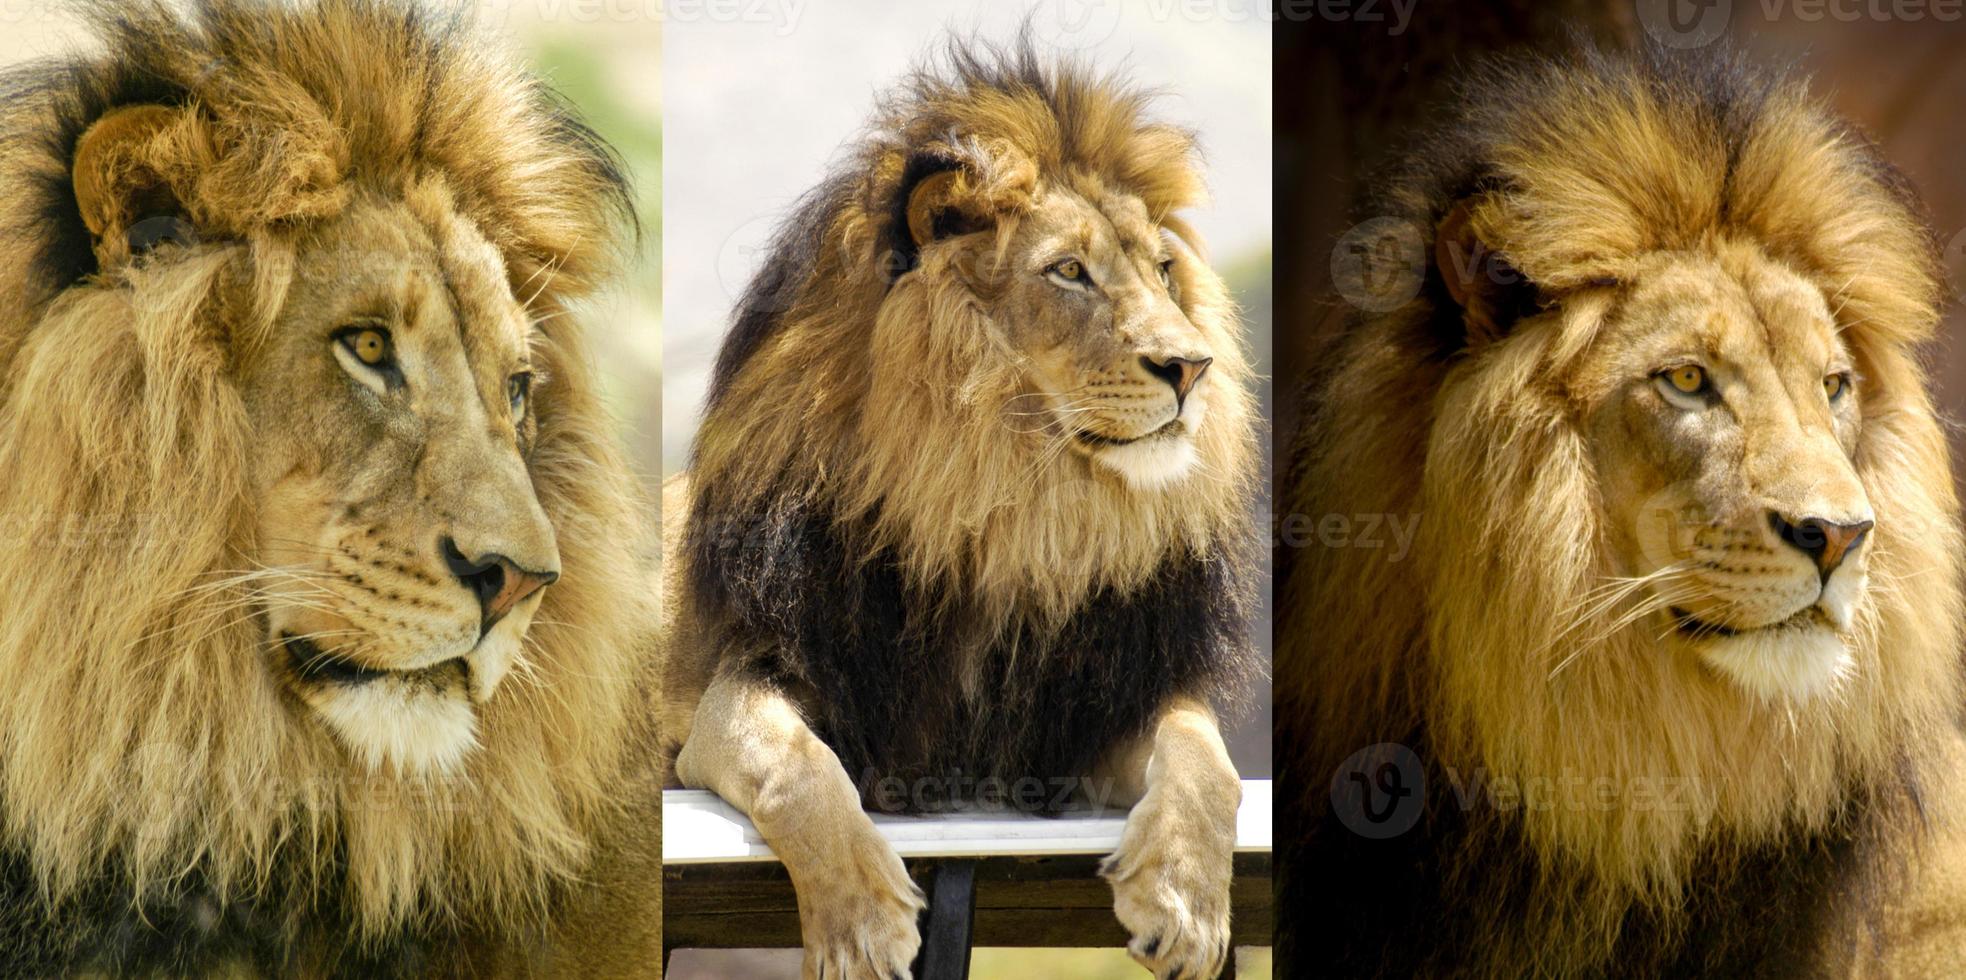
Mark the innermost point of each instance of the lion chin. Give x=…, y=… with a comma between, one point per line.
x=1795, y=662
x=1152, y=462
x=410, y=722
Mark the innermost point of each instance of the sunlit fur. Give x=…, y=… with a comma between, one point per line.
x=911, y=424
x=892, y=395
x=150, y=752
x=1506, y=645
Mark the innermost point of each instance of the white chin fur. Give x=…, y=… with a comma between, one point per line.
x=1781, y=664
x=1153, y=463
x=1150, y=464
x=403, y=724
x=416, y=726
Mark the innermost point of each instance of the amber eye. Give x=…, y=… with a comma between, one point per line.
x=369, y=345
x=1835, y=385
x=1072, y=270
x=1688, y=380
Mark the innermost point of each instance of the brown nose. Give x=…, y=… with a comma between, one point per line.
x=1180, y=373
x=1825, y=541
x=498, y=583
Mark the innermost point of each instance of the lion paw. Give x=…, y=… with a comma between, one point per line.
x=859, y=921
x=1170, y=881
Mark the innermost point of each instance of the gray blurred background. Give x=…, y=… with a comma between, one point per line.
x=758, y=107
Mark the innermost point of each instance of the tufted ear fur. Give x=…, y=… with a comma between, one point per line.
x=1491, y=293
x=941, y=206
x=955, y=189
x=125, y=199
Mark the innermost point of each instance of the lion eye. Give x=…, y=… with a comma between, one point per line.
x=1072, y=271
x=1688, y=380
x=518, y=388
x=1835, y=385
x=370, y=346
x=368, y=353
x=1167, y=274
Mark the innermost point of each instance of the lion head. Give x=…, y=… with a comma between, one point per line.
x=1685, y=511
x=1730, y=484
x=320, y=548
x=1007, y=341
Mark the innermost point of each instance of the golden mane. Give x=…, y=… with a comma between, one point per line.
x=1579, y=168
x=941, y=479
x=862, y=519
x=147, y=748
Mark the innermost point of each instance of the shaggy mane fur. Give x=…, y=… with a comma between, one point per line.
x=955, y=599
x=157, y=789
x=1773, y=832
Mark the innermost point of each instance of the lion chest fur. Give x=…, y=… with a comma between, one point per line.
x=883, y=663
x=193, y=930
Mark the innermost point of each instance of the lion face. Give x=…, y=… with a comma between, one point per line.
x=1725, y=425
x=1093, y=292
x=404, y=548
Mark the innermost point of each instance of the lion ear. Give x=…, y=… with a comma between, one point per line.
x=126, y=203
x=1492, y=295
x=936, y=211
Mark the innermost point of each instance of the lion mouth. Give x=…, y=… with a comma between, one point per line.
x=311, y=663
x=1693, y=628
x=1094, y=439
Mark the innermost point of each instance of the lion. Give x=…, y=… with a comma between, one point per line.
x=1670, y=682
x=326, y=646
x=971, y=505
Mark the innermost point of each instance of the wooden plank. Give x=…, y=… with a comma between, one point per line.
x=699, y=828
x=1020, y=901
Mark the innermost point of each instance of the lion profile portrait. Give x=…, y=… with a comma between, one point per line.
x=325, y=647
x=972, y=498
x=1672, y=671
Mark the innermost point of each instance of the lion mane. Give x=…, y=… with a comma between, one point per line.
x=1771, y=840
x=864, y=542
x=153, y=781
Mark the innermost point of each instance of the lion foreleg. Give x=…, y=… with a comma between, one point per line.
x=857, y=906
x=1171, y=873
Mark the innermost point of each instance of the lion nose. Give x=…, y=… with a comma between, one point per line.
x=1180, y=373
x=498, y=582
x=1827, y=542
